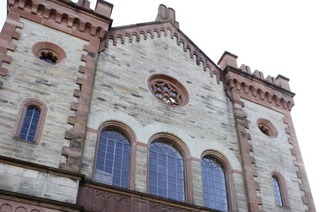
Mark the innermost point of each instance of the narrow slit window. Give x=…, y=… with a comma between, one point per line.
x=277, y=191
x=30, y=124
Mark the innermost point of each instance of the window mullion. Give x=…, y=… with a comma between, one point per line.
x=29, y=126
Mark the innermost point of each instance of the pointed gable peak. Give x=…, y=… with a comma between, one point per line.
x=167, y=14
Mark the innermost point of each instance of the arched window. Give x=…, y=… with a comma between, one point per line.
x=214, y=184
x=277, y=191
x=166, y=171
x=30, y=123
x=113, y=158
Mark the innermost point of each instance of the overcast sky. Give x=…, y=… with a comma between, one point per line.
x=275, y=37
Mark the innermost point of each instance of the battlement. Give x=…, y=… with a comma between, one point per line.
x=66, y=15
x=230, y=60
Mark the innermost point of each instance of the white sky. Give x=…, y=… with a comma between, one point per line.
x=275, y=37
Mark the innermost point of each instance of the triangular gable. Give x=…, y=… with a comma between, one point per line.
x=169, y=27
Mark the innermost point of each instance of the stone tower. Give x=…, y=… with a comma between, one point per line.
x=137, y=118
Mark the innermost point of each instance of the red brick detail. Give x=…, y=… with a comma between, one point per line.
x=138, y=32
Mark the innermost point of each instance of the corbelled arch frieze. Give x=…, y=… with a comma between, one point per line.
x=134, y=33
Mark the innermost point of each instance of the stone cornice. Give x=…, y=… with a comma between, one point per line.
x=157, y=28
x=40, y=168
x=266, y=91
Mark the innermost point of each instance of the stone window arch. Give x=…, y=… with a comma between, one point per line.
x=267, y=128
x=280, y=190
x=168, y=168
x=48, y=52
x=30, y=121
x=216, y=175
x=114, y=157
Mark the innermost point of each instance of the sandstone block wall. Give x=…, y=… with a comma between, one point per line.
x=30, y=77
x=272, y=155
x=37, y=183
x=121, y=94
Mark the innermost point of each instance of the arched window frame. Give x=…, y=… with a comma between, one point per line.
x=283, y=189
x=21, y=117
x=132, y=141
x=228, y=175
x=181, y=147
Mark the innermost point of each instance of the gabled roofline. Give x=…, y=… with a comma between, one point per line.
x=140, y=31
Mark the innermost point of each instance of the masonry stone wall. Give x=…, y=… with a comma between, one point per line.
x=54, y=85
x=37, y=183
x=272, y=155
x=121, y=94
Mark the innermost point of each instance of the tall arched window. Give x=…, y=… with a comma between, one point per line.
x=113, y=158
x=277, y=191
x=166, y=171
x=30, y=123
x=214, y=184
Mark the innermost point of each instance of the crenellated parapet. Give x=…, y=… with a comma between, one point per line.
x=76, y=19
x=67, y=16
x=165, y=25
x=271, y=92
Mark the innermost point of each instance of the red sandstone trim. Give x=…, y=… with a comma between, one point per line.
x=283, y=188
x=12, y=201
x=229, y=178
x=133, y=145
x=247, y=161
x=95, y=196
x=296, y=153
x=271, y=93
x=259, y=92
x=7, y=34
x=186, y=157
x=21, y=115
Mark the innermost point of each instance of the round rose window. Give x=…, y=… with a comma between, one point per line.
x=168, y=90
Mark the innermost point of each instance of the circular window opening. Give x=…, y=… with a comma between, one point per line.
x=168, y=90
x=48, y=52
x=267, y=128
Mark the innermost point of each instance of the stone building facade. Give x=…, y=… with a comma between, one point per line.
x=137, y=118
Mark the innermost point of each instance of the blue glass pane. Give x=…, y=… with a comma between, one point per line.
x=214, y=184
x=277, y=191
x=30, y=123
x=164, y=174
x=113, y=159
